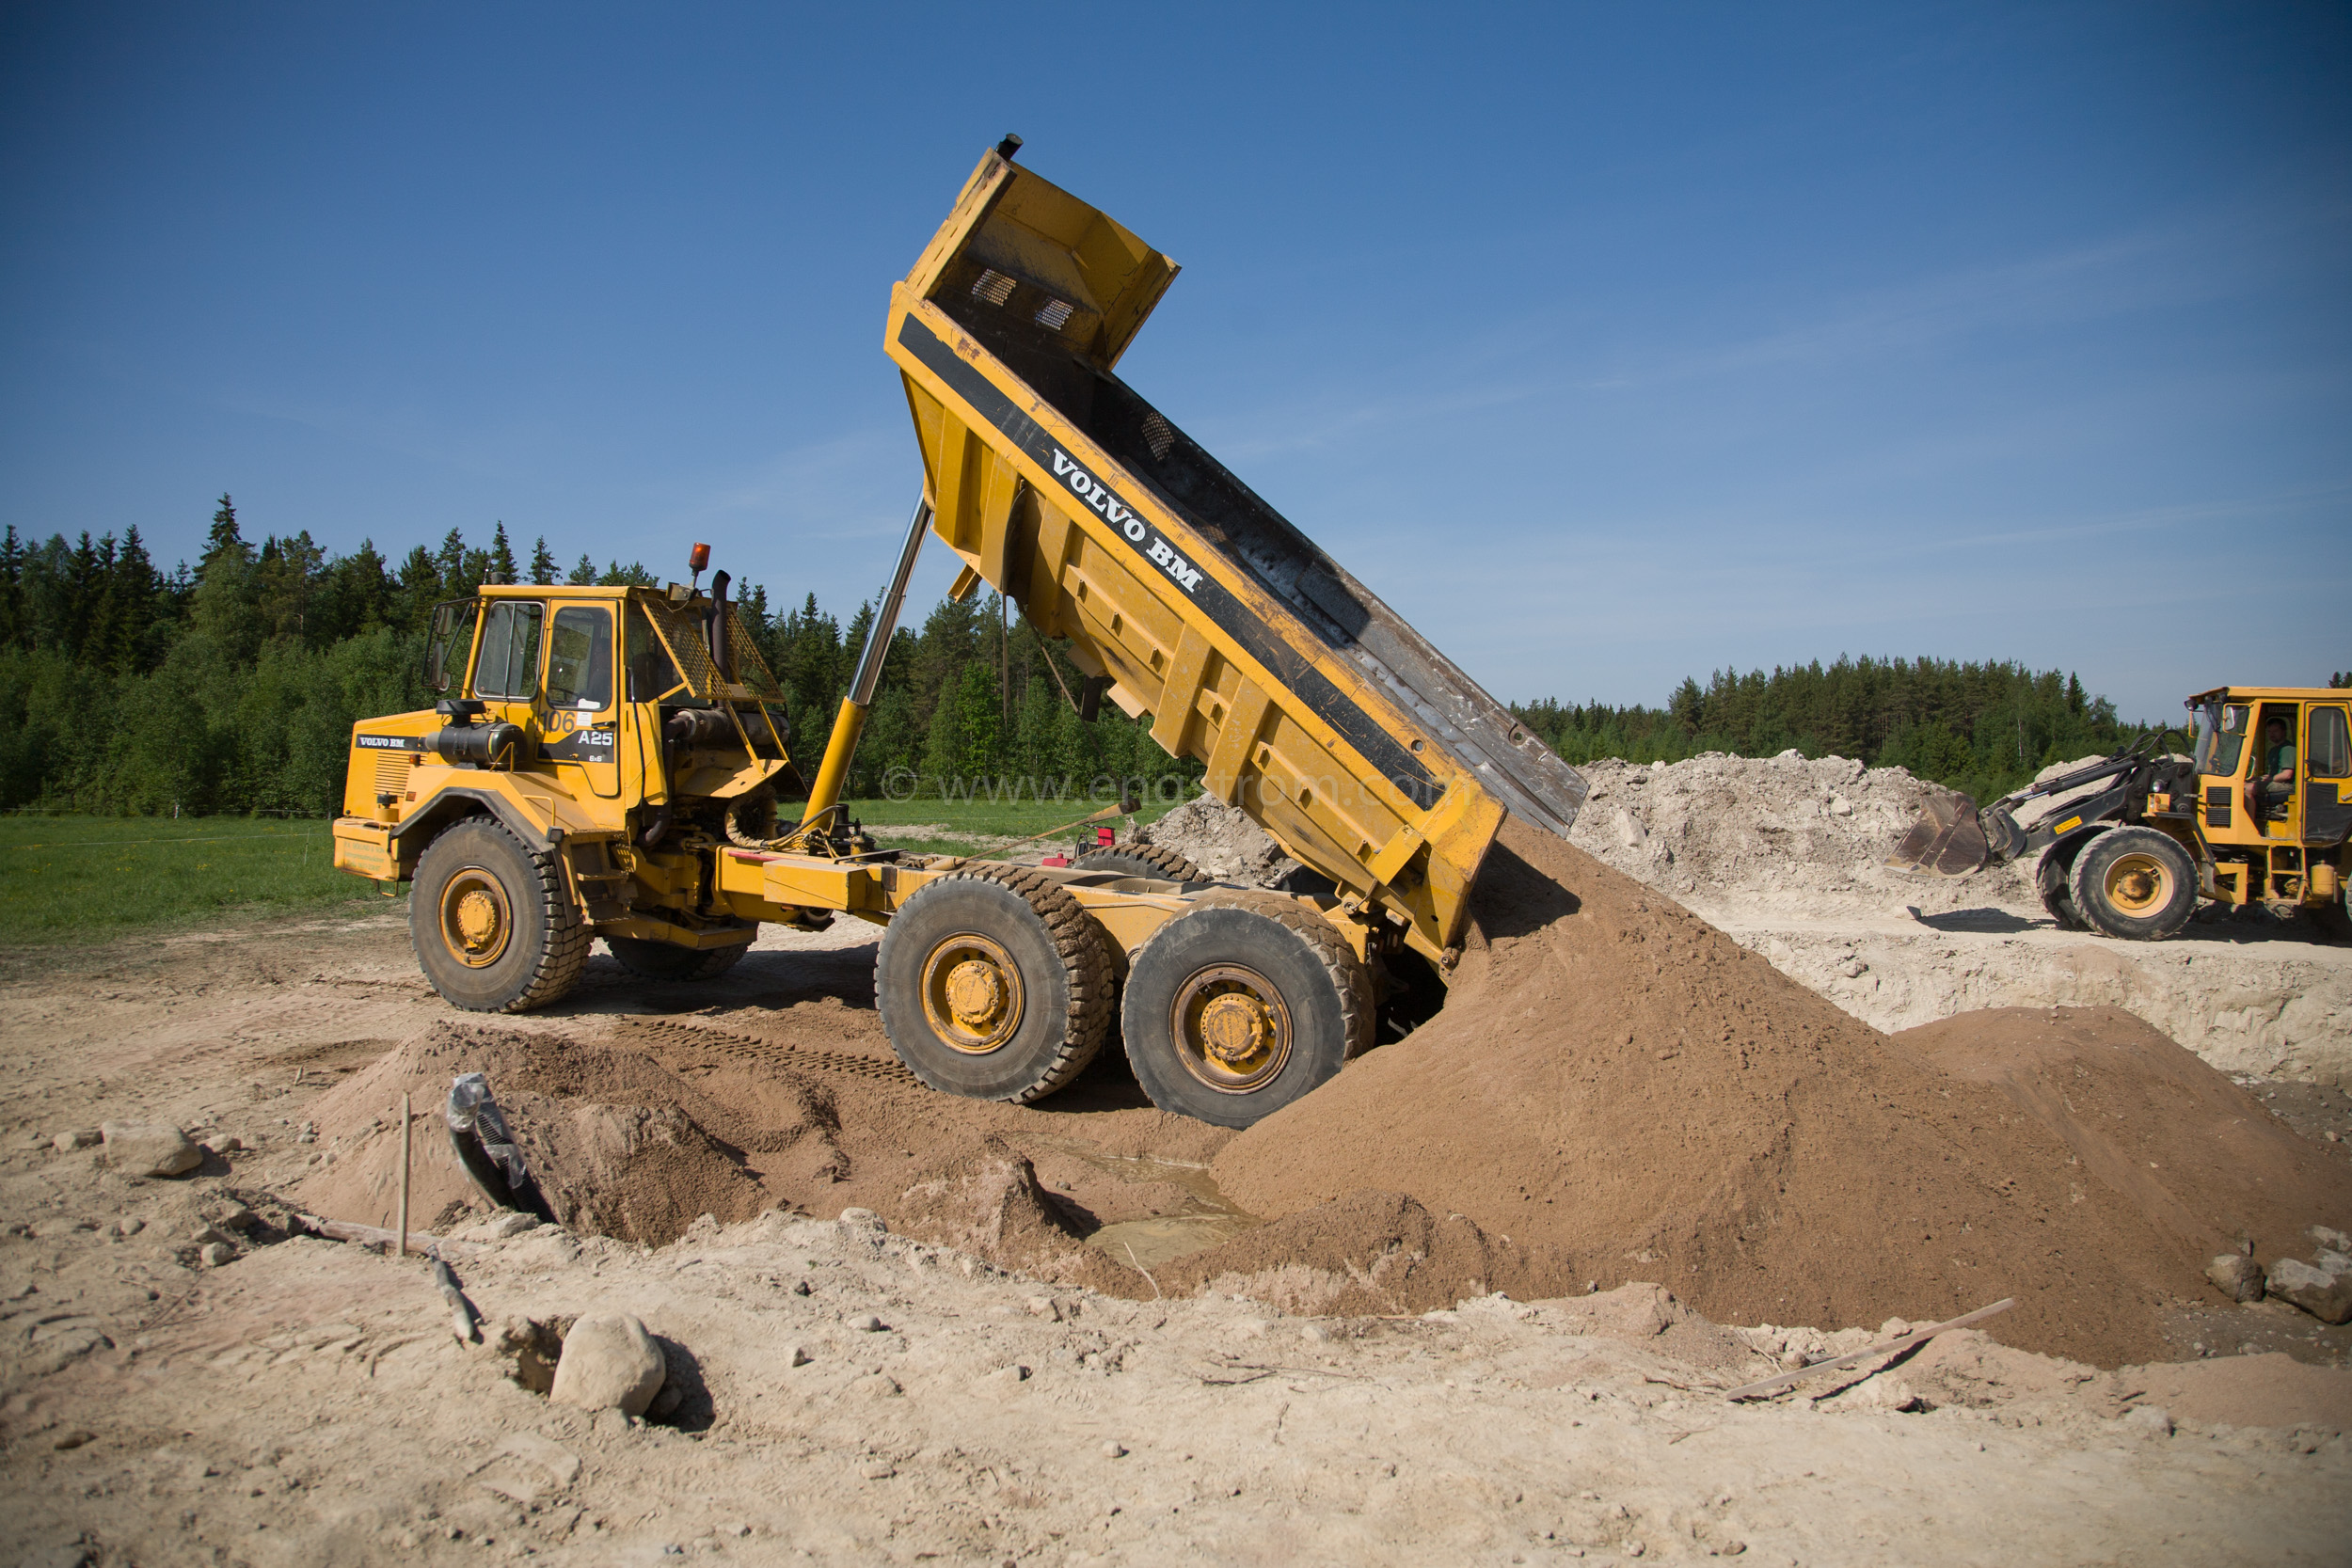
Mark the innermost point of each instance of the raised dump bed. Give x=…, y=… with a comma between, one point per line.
x=1312, y=706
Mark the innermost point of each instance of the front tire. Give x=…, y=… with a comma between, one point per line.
x=1243, y=1004
x=2136, y=883
x=994, y=984
x=666, y=960
x=494, y=927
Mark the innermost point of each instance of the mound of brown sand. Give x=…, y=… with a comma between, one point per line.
x=1613, y=1078
x=618, y=1146
x=2196, y=1157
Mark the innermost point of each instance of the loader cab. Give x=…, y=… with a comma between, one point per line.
x=2281, y=846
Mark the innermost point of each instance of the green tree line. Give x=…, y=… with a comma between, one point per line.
x=1984, y=729
x=232, y=685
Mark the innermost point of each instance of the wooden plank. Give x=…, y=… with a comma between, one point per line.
x=1884, y=1347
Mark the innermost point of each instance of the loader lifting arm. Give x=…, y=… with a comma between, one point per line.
x=1952, y=838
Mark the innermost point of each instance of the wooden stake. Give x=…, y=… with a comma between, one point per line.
x=403, y=1175
x=1884, y=1347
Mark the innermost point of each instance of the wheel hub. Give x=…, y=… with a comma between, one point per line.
x=1234, y=1029
x=475, y=922
x=2136, y=883
x=1230, y=1028
x=975, y=994
x=972, y=993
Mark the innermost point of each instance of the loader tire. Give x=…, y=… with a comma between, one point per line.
x=2134, y=882
x=494, y=927
x=994, y=984
x=667, y=960
x=1141, y=859
x=2050, y=880
x=1241, y=1006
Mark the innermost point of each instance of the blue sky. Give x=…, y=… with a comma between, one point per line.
x=1609, y=344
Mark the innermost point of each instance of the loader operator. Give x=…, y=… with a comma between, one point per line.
x=2274, y=783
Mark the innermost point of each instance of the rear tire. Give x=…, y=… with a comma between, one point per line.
x=1249, y=1001
x=1141, y=859
x=994, y=984
x=494, y=927
x=2050, y=879
x=2135, y=883
x=667, y=960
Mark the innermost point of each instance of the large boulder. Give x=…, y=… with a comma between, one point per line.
x=2326, y=1296
x=149, y=1149
x=609, y=1363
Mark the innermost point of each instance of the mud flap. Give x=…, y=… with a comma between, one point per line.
x=1947, y=841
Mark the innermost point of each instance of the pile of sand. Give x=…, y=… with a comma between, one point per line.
x=1722, y=831
x=617, y=1145
x=2188, y=1152
x=1613, y=1078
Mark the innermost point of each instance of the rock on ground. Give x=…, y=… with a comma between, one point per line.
x=609, y=1363
x=2324, y=1295
x=149, y=1149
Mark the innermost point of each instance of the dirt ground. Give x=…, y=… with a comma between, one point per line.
x=305, y=1402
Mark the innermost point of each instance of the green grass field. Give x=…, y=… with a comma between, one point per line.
x=84, y=878
x=996, y=819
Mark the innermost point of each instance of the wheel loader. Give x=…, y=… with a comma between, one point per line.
x=614, y=764
x=2257, y=813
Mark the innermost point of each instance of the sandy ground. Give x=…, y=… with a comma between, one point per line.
x=305, y=1402
x=2260, y=998
x=1784, y=854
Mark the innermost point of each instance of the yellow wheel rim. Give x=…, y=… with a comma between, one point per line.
x=2139, y=884
x=972, y=993
x=1230, y=1028
x=476, y=920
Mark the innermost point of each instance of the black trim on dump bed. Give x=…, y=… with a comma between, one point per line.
x=1259, y=641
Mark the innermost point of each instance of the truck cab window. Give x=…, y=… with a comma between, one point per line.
x=509, y=665
x=580, y=658
x=2332, y=747
x=652, y=674
x=449, y=643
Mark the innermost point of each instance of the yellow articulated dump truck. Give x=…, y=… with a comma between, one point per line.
x=612, y=763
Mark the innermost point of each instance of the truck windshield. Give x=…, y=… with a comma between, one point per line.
x=2221, y=738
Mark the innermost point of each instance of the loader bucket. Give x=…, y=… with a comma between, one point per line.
x=1947, y=841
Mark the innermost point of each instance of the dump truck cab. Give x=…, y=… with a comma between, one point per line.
x=2274, y=793
x=620, y=735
